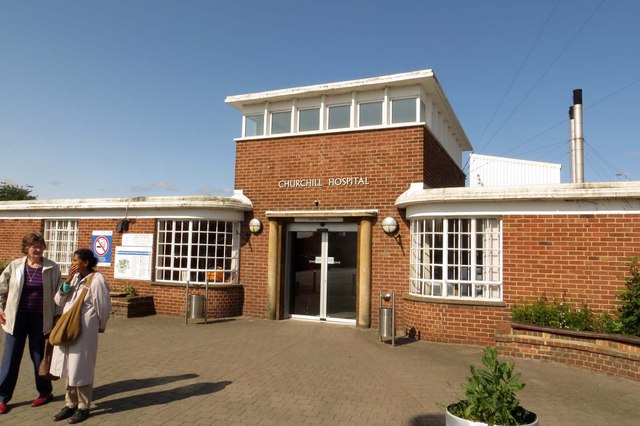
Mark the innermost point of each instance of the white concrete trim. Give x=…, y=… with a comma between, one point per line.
x=321, y=213
x=201, y=207
x=584, y=198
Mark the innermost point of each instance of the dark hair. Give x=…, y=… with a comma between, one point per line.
x=87, y=255
x=31, y=239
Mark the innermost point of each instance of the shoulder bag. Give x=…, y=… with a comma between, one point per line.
x=67, y=328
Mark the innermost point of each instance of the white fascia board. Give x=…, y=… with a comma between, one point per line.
x=506, y=208
x=238, y=101
x=614, y=197
x=175, y=207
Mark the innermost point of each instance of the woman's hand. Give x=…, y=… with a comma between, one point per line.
x=73, y=269
x=3, y=318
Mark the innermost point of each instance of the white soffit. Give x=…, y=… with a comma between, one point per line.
x=221, y=208
x=614, y=197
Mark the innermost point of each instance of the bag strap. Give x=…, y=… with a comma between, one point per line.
x=91, y=275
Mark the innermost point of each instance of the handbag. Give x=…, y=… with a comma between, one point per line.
x=45, y=364
x=67, y=329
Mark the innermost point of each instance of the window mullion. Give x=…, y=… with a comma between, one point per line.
x=445, y=257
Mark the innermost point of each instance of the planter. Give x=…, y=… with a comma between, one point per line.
x=614, y=354
x=453, y=420
x=132, y=306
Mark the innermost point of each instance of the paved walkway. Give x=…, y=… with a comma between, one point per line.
x=159, y=371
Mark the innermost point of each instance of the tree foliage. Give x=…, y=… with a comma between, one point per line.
x=10, y=192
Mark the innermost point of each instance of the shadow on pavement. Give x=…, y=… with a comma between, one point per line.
x=156, y=398
x=135, y=384
x=428, y=420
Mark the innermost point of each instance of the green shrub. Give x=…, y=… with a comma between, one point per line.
x=129, y=289
x=629, y=311
x=4, y=264
x=557, y=314
x=490, y=393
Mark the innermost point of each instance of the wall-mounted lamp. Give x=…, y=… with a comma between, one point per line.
x=389, y=225
x=255, y=225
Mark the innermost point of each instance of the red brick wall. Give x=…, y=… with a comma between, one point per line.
x=612, y=354
x=11, y=232
x=578, y=258
x=440, y=171
x=391, y=159
x=168, y=300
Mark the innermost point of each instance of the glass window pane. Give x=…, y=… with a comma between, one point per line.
x=339, y=117
x=370, y=114
x=281, y=122
x=309, y=119
x=254, y=125
x=403, y=110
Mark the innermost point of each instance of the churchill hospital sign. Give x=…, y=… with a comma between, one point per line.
x=318, y=183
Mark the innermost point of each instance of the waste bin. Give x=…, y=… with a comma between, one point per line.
x=196, y=304
x=385, y=326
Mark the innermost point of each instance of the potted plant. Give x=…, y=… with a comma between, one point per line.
x=490, y=396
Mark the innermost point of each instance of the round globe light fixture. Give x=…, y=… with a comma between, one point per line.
x=389, y=225
x=255, y=225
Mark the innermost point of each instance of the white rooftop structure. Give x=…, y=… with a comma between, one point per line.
x=397, y=100
x=485, y=170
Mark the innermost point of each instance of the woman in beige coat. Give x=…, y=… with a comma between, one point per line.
x=27, y=288
x=76, y=362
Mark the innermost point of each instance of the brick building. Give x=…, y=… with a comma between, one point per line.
x=319, y=170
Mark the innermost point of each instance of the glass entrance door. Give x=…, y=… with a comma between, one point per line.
x=322, y=272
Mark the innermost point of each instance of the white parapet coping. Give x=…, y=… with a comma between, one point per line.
x=599, y=197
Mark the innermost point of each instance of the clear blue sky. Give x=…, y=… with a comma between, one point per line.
x=126, y=98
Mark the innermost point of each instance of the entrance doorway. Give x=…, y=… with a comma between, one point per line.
x=321, y=269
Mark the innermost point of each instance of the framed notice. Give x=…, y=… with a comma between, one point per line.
x=137, y=240
x=133, y=263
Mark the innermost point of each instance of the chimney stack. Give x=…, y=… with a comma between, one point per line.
x=576, y=138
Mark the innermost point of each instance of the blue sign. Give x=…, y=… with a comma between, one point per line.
x=101, y=242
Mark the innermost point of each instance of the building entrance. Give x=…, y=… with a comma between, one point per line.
x=321, y=272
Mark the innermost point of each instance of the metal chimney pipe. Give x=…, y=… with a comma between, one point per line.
x=578, y=135
x=572, y=148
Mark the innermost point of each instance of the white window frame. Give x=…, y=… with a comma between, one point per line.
x=301, y=111
x=279, y=113
x=61, y=236
x=416, y=116
x=360, y=104
x=457, y=258
x=197, y=250
x=260, y=132
x=350, y=118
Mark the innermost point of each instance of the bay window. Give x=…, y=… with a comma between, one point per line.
x=457, y=258
x=202, y=250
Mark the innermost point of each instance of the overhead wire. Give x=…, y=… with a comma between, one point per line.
x=560, y=54
x=515, y=77
x=544, y=73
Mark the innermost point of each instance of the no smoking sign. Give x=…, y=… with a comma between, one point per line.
x=101, y=246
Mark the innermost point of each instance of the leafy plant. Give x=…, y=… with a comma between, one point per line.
x=629, y=311
x=4, y=264
x=129, y=289
x=559, y=314
x=490, y=394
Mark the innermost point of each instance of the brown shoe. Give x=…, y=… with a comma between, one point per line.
x=79, y=416
x=65, y=413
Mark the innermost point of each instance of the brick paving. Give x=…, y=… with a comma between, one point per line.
x=159, y=371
